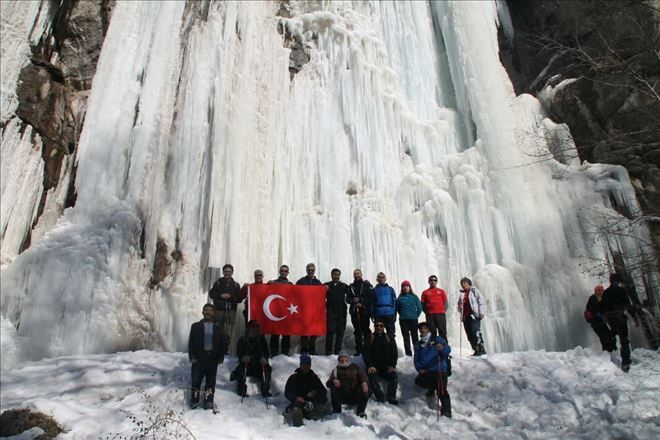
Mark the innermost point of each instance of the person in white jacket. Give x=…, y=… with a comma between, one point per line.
x=472, y=307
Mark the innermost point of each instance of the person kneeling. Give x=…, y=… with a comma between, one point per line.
x=348, y=384
x=253, y=361
x=430, y=359
x=306, y=393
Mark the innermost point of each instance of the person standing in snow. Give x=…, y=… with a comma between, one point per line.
x=286, y=339
x=380, y=355
x=348, y=384
x=383, y=303
x=430, y=360
x=434, y=302
x=471, y=306
x=205, y=346
x=252, y=361
x=335, y=305
x=306, y=393
x=226, y=294
x=258, y=279
x=358, y=301
x=595, y=316
x=408, y=307
x=308, y=343
x=615, y=303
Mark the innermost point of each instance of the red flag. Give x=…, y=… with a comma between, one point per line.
x=287, y=309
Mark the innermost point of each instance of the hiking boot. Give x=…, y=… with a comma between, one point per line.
x=208, y=405
x=241, y=389
x=392, y=401
x=362, y=415
x=446, y=414
x=430, y=392
x=296, y=416
x=625, y=367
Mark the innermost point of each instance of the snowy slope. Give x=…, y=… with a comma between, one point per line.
x=535, y=394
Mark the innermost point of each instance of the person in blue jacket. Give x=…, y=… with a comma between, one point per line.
x=383, y=304
x=430, y=359
x=408, y=307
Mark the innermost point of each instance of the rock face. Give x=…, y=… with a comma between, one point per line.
x=52, y=89
x=608, y=49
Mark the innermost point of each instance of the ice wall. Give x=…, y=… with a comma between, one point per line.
x=400, y=147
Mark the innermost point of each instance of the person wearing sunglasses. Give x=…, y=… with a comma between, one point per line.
x=380, y=355
x=434, y=302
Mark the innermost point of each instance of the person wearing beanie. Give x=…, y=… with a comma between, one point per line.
x=306, y=393
x=252, y=361
x=348, y=385
x=431, y=357
x=383, y=303
x=408, y=307
x=434, y=302
x=472, y=307
x=380, y=355
x=595, y=316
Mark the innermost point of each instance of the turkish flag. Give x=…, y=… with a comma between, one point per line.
x=287, y=309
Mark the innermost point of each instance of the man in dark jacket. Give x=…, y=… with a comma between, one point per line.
x=252, y=361
x=335, y=305
x=286, y=339
x=383, y=303
x=380, y=355
x=306, y=393
x=358, y=301
x=226, y=294
x=430, y=360
x=348, y=384
x=205, y=346
x=615, y=303
x=308, y=343
x=595, y=316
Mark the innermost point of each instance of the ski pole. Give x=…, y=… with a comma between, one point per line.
x=439, y=387
x=244, y=380
x=460, y=337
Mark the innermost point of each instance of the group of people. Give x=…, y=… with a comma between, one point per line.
x=606, y=312
x=348, y=382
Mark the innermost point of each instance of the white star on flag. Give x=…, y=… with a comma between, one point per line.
x=292, y=309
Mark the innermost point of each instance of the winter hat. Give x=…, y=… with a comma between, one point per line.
x=342, y=354
x=406, y=283
x=305, y=359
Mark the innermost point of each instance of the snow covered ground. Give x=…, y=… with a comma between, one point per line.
x=575, y=394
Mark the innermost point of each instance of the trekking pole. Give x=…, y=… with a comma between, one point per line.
x=244, y=382
x=460, y=338
x=263, y=376
x=357, y=311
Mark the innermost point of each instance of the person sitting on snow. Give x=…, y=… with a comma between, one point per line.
x=306, y=393
x=252, y=360
x=380, y=355
x=348, y=384
x=206, y=345
x=430, y=359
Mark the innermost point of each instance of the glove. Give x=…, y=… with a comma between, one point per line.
x=309, y=406
x=245, y=359
x=263, y=361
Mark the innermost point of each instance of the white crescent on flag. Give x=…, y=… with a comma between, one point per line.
x=266, y=307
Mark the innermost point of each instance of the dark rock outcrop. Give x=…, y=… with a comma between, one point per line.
x=299, y=50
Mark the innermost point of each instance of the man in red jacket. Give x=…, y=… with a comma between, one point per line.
x=434, y=303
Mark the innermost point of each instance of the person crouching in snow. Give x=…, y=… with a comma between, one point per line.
x=206, y=345
x=380, y=355
x=252, y=360
x=306, y=393
x=595, y=315
x=431, y=363
x=348, y=384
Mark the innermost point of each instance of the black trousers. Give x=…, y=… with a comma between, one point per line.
x=335, y=336
x=619, y=324
x=253, y=369
x=205, y=367
x=350, y=397
x=275, y=345
x=392, y=382
x=389, y=324
x=437, y=324
x=409, y=331
x=429, y=381
x=308, y=344
x=361, y=329
x=472, y=328
x=607, y=338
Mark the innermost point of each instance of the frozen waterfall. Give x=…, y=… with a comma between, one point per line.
x=399, y=147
